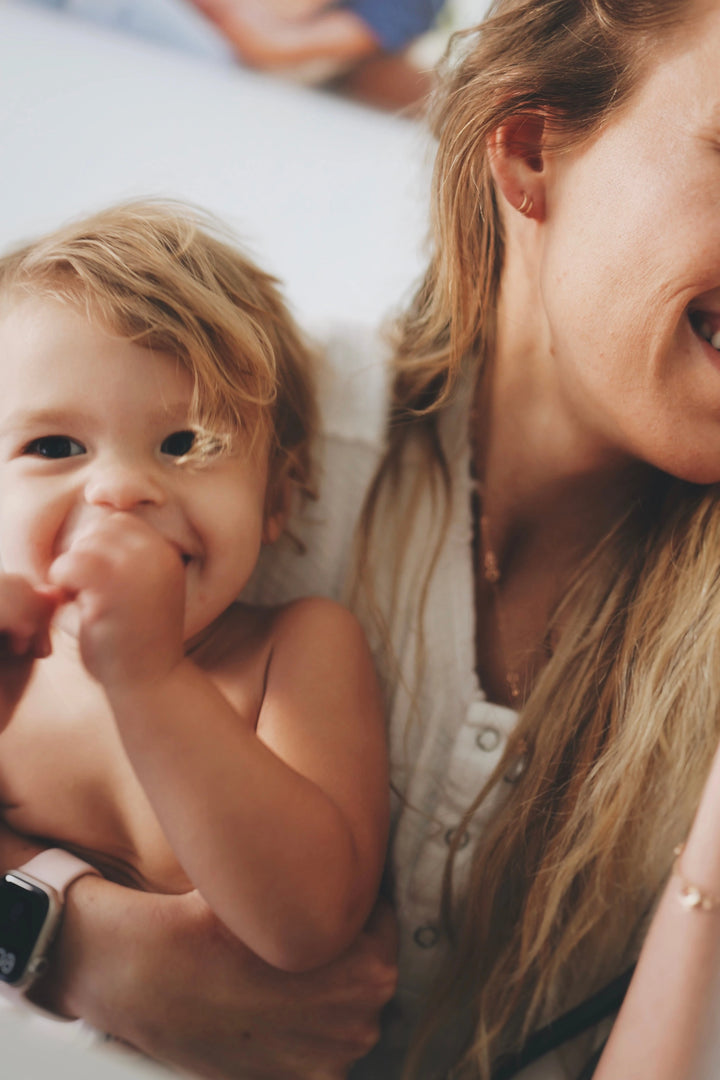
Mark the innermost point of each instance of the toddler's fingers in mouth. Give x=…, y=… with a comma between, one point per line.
x=57, y=594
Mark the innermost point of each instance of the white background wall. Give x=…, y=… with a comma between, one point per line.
x=329, y=195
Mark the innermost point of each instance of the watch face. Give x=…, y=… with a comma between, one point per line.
x=23, y=911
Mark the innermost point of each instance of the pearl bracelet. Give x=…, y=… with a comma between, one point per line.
x=691, y=897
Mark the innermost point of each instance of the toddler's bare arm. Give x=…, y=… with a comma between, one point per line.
x=283, y=831
x=283, y=828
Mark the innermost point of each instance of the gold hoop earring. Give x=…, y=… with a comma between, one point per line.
x=526, y=205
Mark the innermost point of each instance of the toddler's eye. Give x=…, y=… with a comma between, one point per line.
x=54, y=446
x=178, y=444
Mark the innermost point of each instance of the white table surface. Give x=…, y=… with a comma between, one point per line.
x=329, y=195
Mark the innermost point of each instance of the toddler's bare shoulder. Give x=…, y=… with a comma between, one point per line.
x=315, y=616
x=244, y=623
x=255, y=639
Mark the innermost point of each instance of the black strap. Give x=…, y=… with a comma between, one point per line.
x=585, y=1015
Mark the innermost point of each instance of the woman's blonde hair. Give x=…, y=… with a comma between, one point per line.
x=170, y=278
x=622, y=723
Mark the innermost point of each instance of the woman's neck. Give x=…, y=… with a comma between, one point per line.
x=549, y=492
x=552, y=486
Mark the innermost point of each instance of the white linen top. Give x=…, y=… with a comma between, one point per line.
x=442, y=754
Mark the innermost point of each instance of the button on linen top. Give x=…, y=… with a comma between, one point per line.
x=445, y=738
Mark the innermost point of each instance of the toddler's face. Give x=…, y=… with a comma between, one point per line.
x=92, y=424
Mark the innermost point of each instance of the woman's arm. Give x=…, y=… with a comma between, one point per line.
x=161, y=973
x=668, y=1027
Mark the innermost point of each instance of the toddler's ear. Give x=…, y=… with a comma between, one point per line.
x=277, y=508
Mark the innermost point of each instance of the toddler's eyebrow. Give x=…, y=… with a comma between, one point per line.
x=176, y=413
x=34, y=417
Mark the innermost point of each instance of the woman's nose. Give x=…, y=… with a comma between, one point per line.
x=121, y=486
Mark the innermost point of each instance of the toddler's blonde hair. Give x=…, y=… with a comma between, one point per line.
x=170, y=278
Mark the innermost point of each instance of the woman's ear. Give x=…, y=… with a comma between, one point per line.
x=516, y=152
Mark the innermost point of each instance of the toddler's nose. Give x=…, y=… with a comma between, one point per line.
x=123, y=487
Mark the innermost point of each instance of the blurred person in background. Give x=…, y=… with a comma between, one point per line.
x=365, y=48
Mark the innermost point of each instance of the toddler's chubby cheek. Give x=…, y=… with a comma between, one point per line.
x=27, y=563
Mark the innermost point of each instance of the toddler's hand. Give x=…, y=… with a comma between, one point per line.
x=25, y=614
x=128, y=587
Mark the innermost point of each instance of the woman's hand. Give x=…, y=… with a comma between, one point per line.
x=161, y=973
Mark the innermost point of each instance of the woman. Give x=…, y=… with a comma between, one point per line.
x=550, y=467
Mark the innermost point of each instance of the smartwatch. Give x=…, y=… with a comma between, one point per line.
x=31, y=904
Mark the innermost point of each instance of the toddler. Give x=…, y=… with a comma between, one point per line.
x=155, y=423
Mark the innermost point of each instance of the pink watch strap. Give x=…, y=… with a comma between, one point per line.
x=56, y=868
